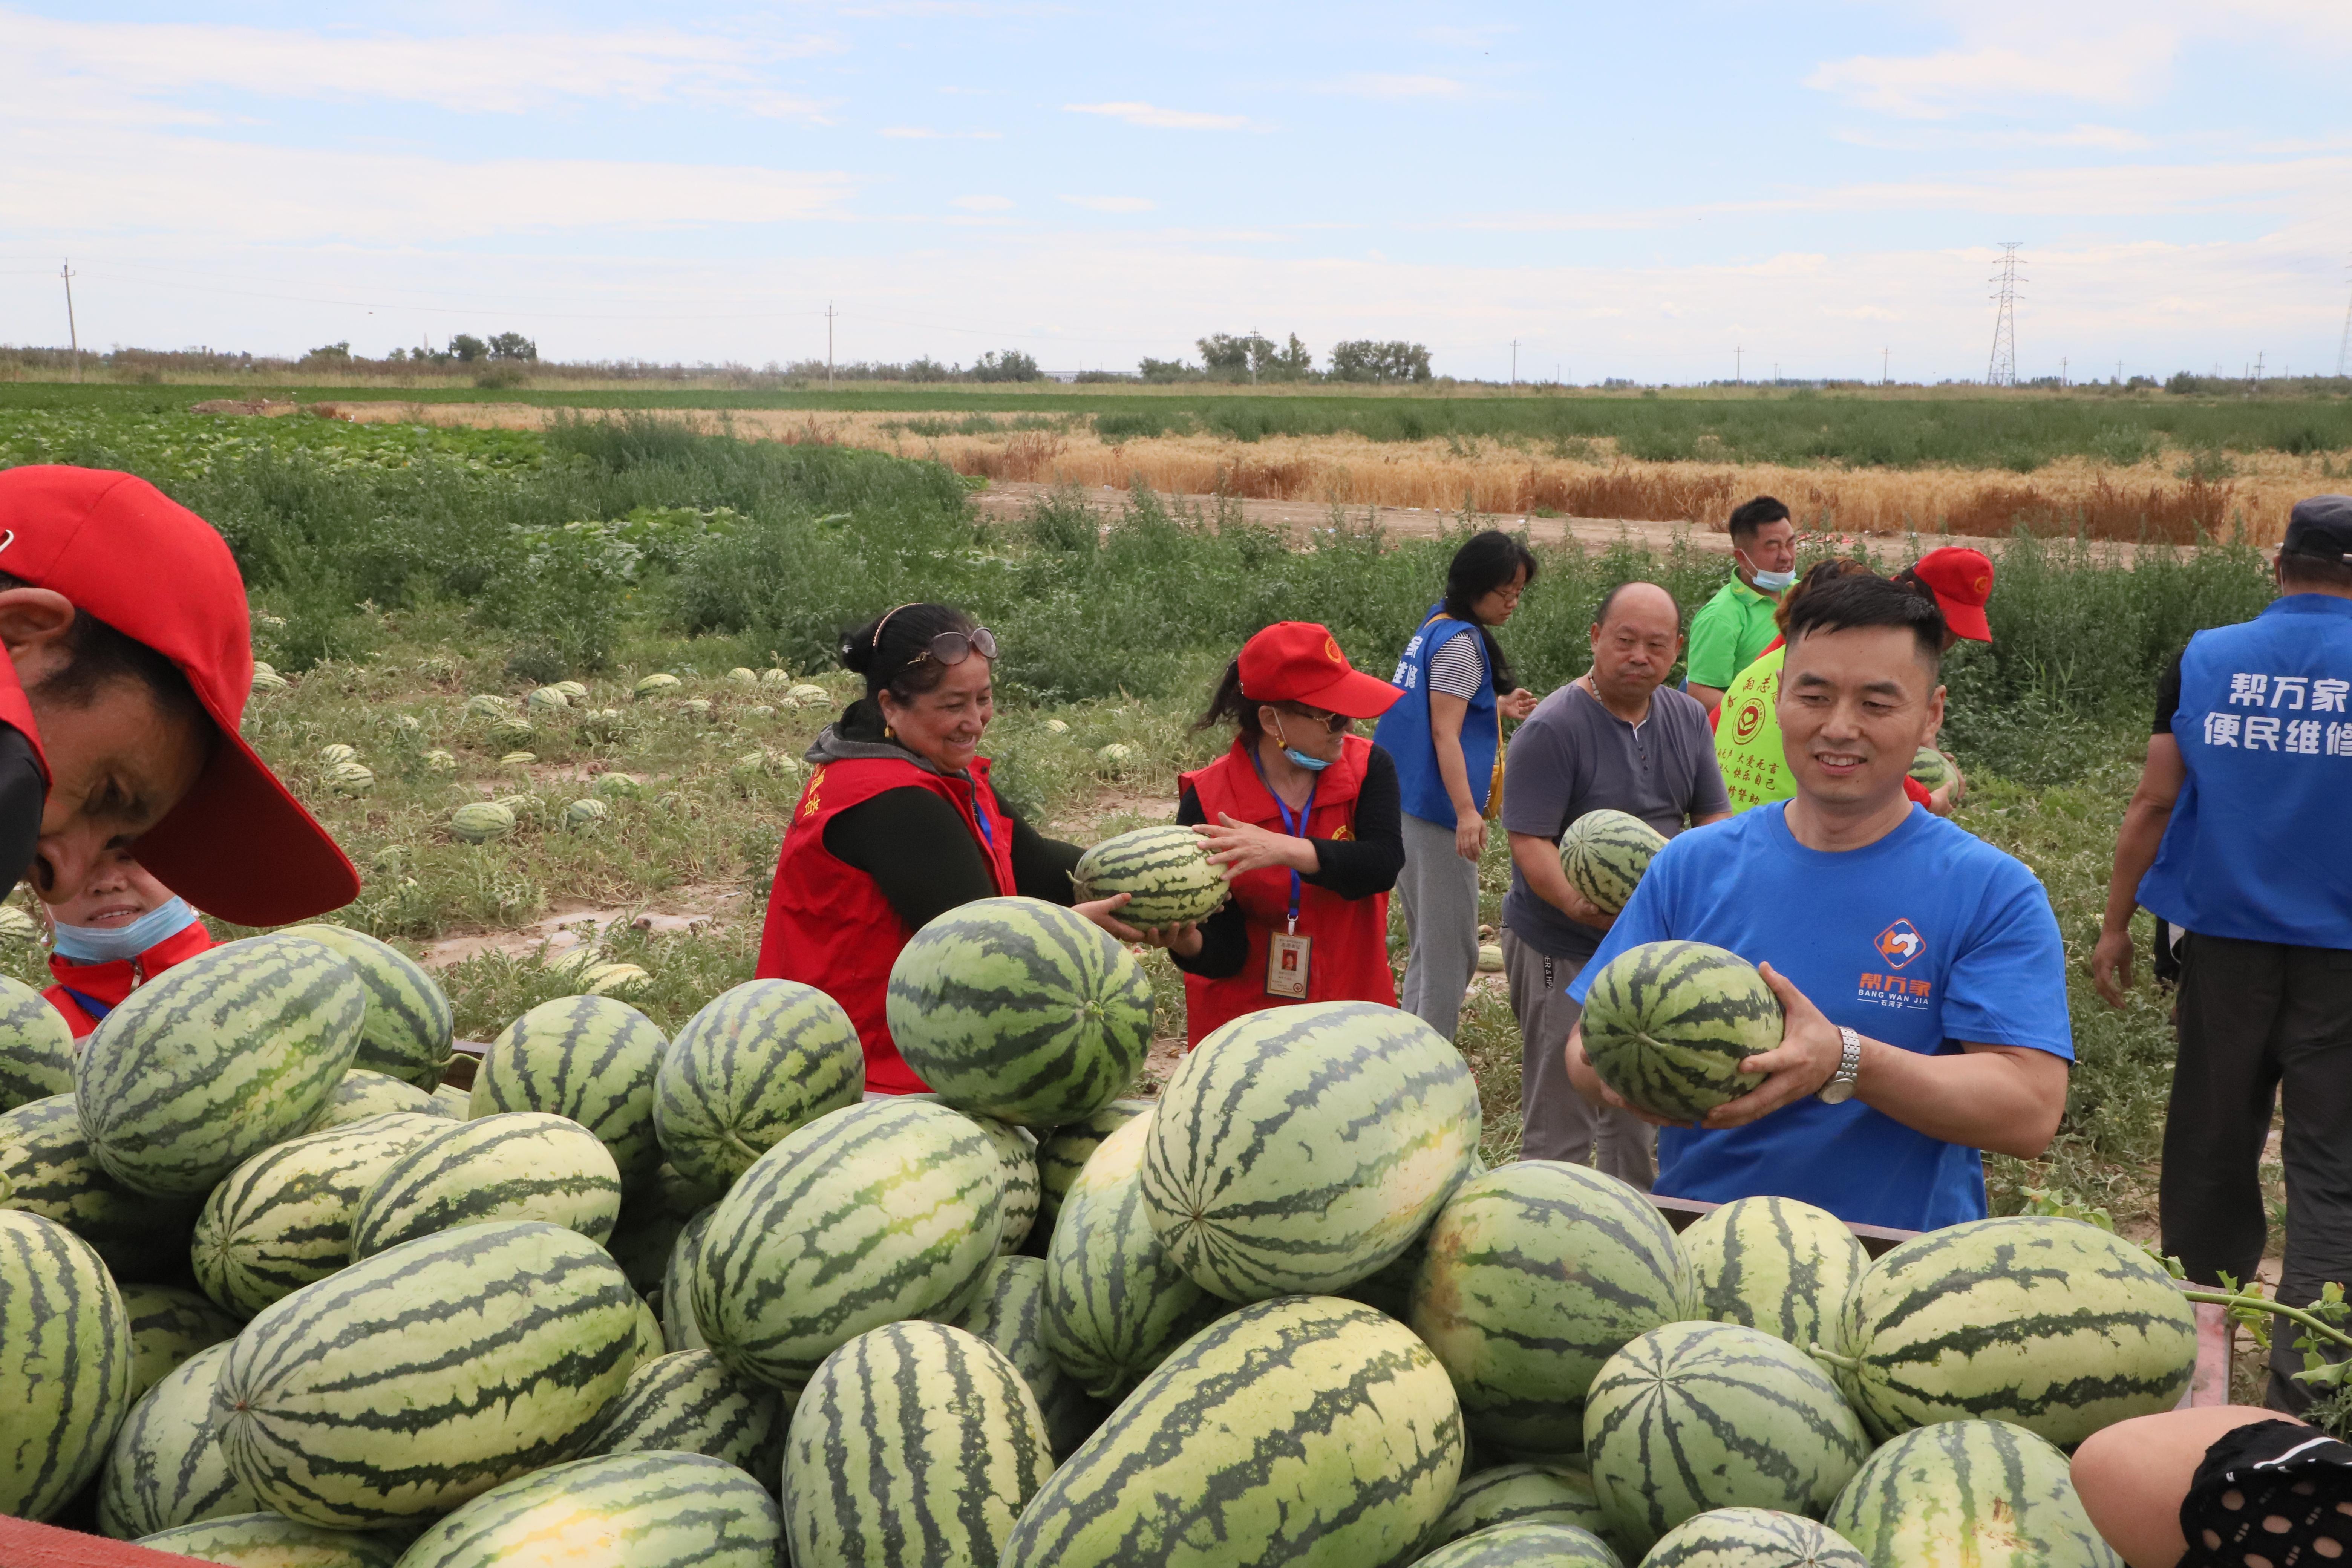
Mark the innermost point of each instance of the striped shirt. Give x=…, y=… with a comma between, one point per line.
x=1455, y=670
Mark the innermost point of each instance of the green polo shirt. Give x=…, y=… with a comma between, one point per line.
x=1727, y=634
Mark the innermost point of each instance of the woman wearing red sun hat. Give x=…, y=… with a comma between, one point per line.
x=1304, y=817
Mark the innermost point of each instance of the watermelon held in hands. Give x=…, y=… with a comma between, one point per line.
x=1164, y=872
x=1931, y=768
x=1667, y=1024
x=1604, y=854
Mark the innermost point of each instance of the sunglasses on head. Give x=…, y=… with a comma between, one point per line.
x=948, y=647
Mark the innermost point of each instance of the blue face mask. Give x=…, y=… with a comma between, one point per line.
x=1298, y=759
x=102, y=945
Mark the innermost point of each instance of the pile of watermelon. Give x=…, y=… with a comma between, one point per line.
x=270, y=1293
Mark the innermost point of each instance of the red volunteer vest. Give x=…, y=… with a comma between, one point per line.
x=1350, y=962
x=109, y=984
x=829, y=926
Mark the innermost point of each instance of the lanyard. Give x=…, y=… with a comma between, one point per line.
x=980, y=815
x=90, y=1004
x=1295, y=826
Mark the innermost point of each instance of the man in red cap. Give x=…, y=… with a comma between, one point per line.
x=128, y=661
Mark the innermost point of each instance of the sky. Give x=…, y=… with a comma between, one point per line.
x=1674, y=192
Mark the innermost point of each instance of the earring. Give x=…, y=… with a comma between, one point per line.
x=889, y=733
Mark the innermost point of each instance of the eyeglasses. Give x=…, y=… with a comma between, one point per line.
x=1336, y=723
x=948, y=647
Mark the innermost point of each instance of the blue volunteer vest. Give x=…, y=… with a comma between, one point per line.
x=2257, y=847
x=1403, y=731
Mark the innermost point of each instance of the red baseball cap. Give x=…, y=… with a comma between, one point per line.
x=1962, y=580
x=1299, y=661
x=237, y=846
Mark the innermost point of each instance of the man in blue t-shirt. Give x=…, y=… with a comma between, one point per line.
x=1920, y=969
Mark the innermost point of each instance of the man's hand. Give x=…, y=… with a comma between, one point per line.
x=1806, y=1058
x=1584, y=911
x=1469, y=835
x=2111, y=965
x=1517, y=705
x=1591, y=1084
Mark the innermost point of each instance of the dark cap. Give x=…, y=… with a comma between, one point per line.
x=2321, y=528
x=237, y=844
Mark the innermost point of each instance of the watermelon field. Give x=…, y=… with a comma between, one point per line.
x=652, y=1282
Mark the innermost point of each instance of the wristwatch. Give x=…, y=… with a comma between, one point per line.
x=1840, y=1087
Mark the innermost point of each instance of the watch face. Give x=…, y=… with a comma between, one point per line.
x=1836, y=1091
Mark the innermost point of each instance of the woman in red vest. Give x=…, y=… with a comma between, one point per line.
x=1304, y=817
x=897, y=825
x=124, y=929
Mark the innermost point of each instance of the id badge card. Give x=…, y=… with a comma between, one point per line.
x=1286, y=956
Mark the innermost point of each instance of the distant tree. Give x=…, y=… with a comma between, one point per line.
x=1363, y=359
x=466, y=348
x=1013, y=365
x=2182, y=382
x=1229, y=358
x=331, y=351
x=1289, y=363
x=1165, y=370
x=925, y=368
x=513, y=345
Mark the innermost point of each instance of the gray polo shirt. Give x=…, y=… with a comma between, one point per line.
x=1572, y=756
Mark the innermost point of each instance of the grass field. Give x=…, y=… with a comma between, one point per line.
x=396, y=571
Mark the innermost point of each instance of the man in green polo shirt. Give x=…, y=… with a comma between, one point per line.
x=1735, y=626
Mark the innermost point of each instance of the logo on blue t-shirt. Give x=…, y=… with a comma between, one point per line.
x=1901, y=943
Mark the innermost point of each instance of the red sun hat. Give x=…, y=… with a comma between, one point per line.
x=237, y=844
x=1963, y=580
x=1299, y=661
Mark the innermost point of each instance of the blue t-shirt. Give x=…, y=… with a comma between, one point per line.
x=1923, y=940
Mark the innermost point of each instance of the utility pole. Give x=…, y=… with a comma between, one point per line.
x=2344, y=355
x=2061, y=370
x=2000, y=370
x=1250, y=356
x=1515, y=364
x=828, y=345
x=1885, y=357
x=72, y=332
x=2258, y=365
x=1738, y=376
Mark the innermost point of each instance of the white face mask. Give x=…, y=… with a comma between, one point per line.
x=1767, y=581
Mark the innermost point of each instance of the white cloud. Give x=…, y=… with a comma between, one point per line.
x=2114, y=70
x=983, y=204
x=2105, y=138
x=1374, y=85
x=1112, y=204
x=924, y=133
x=1160, y=118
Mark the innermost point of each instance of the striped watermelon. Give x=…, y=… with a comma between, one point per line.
x=1527, y=1544
x=166, y=1469
x=1164, y=872
x=215, y=1059
x=1116, y=1303
x=1306, y=1430
x=1967, y=1494
x=680, y=1331
x=756, y=1062
x=1604, y=852
x=283, y=1219
x=1009, y=1313
x=649, y=1343
x=456, y=1104
x=915, y=1443
x=2055, y=1325
x=37, y=1048
x=168, y=1325
x=1519, y=1494
x=1301, y=1148
x=883, y=1211
x=621, y=1511
x=591, y=1058
x=65, y=1380
x=273, y=1541
x=687, y=1401
x=517, y=1164
x=1775, y=1264
x=1696, y=1416
x=1667, y=1023
x=1016, y=1148
x=1931, y=767
x=1536, y=1274
x=409, y=1020
x=427, y=1374
x=46, y=1168
x=363, y=1094
x=1752, y=1538
x=1064, y=1152
x=1021, y=1010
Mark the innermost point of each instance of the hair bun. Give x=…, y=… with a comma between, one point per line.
x=856, y=652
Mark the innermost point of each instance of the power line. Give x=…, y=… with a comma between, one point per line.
x=2000, y=370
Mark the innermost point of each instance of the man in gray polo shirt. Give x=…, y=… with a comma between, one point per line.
x=1612, y=739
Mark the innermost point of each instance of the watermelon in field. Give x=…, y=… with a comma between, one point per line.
x=65, y=1382
x=46, y=1168
x=1022, y=1010
x=914, y=1443
x=168, y=1326
x=1604, y=852
x=1009, y=1312
x=881, y=1212
x=37, y=1048
x=2052, y=1324
x=687, y=1402
x=409, y=1020
x=518, y=1165
x=1519, y=1494
x=1667, y=1023
x=621, y=1510
x=1063, y=1152
x=481, y=822
x=1752, y=1538
x=1694, y=1416
x=1306, y=1430
x=215, y=1059
x=1301, y=1148
x=1775, y=1264
x=1526, y=1544
x=1116, y=1303
x=166, y=1469
x=756, y=1062
x=1967, y=1494
x=1163, y=870
x=425, y=1375
x=1536, y=1275
x=591, y=1058
x=363, y=1094
x=273, y=1541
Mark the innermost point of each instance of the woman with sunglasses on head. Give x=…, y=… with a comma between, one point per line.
x=1302, y=817
x=898, y=824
